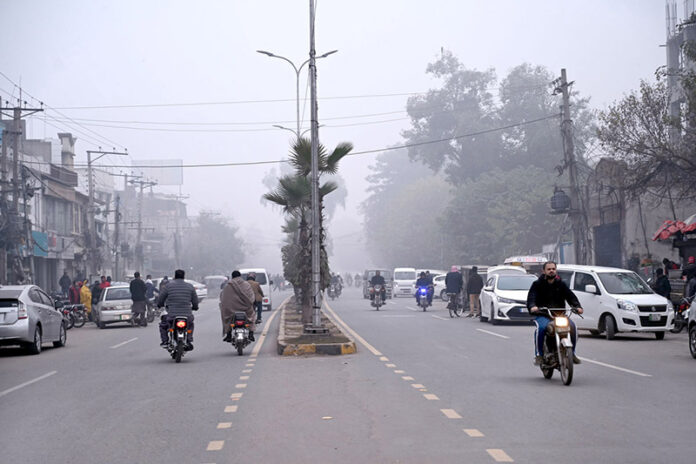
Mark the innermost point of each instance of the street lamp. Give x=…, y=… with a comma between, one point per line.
x=293, y=130
x=297, y=81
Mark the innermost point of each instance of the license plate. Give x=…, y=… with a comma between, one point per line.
x=125, y=317
x=654, y=317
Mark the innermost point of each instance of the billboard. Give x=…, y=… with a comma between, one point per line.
x=162, y=171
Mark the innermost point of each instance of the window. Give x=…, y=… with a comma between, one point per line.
x=45, y=299
x=508, y=282
x=582, y=279
x=565, y=277
x=34, y=296
x=404, y=275
x=490, y=282
x=624, y=283
x=117, y=293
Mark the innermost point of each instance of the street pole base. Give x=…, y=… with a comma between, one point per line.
x=312, y=330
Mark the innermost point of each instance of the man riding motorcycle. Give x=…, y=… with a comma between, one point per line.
x=378, y=279
x=180, y=299
x=427, y=282
x=550, y=292
x=337, y=282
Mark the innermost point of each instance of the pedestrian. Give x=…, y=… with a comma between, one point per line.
x=64, y=283
x=690, y=269
x=96, y=292
x=669, y=264
x=138, y=291
x=453, y=285
x=237, y=296
x=662, y=285
x=74, y=293
x=163, y=283
x=104, y=283
x=474, y=284
x=86, y=298
x=258, y=295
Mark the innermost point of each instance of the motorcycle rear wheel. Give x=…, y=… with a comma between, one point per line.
x=69, y=322
x=240, y=349
x=565, y=361
x=678, y=326
x=79, y=320
x=178, y=352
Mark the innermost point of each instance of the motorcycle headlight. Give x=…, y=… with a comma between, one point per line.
x=561, y=321
x=505, y=300
x=627, y=305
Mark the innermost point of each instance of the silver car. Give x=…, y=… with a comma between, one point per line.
x=28, y=318
x=114, y=306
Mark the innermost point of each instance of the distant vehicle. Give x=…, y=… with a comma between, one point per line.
x=504, y=297
x=531, y=263
x=505, y=269
x=369, y=274
x=29, y=318
x=114, y=306
x=440, y=288
x=201, y=289
x=617, y=300
x=214, y=283
x=404, y=281
x=265, y=282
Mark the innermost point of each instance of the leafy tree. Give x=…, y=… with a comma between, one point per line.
x=212, y=245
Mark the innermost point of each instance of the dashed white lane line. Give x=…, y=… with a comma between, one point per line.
x=240, y=385
x=451, y=414
x=473, y=433
x=224, y=425
x=407, y=377
x=611, y=366
x=118, y=345
x=355, y=335
x=246, y=371
x=390, y=365
x=412, y=309
x=384, y=358
x=440, y=317
x=399, y=371
x=493, y=333
x=398, y=315
x=231, y=408
x=236, y=396
x=249, y=365
x=417, y=385
x=244, y=377
x=264, y=334
x=22, y=385
x=499, y=455
x=215, y=445
x=431, y=397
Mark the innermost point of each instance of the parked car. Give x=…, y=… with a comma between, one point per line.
x=440, y=287
x=504, y=269
x=29, y=318
x=404, y=281
x=617, y=300
x=114, y=306
x=369, y=274
x=265, y=282
x=504, y=297
x=201, y=289
x=691, y=326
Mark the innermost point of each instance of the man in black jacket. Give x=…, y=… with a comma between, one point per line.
x=138, y=290
x=474, y=285
x=550, y=292
x=453, y=284
x=662, y=285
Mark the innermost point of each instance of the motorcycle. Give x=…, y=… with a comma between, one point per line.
x=152, y=310
x=422, y=293
x=558, y=345
x=240, y=332
x=377, y=300
x=178, y=337
x=681, y=314
x=332, y=292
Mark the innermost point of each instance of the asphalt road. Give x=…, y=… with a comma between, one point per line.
x=422, y=388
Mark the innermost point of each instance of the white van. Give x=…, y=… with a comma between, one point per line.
x=404, y=279
x=616, y=300
x=263, y=280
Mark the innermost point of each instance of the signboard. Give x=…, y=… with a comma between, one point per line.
x=40, y=243
x=162, y=171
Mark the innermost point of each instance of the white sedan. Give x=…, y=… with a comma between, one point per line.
x=201, y=289
x=504, y=298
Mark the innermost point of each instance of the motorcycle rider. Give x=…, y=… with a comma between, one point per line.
x=549, y=291
x=258, y=295
x=237, y=296
x=378, y=279
x=138, y=290
x=454, y=283
x=180, y=299
x=424, y=281
x=149, y=290
x=336, y=282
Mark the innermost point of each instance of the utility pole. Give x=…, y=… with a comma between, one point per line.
x=27, y=228
x=576, y=207
x=117, y=243
x=94, y=253
x=138, y=242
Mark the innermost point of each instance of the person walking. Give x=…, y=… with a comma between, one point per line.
x=86, y=298
x=474, y=284
x=138, y=291
x=96, y=292
x=74, y=293
x=258, y=295
x=64, y=283
x=237, y=296
x=662, y=285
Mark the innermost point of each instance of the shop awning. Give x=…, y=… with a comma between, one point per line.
x=670, y=228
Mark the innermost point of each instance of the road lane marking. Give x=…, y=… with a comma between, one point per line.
x=399, y=371
x=231, y=408
x=451, y=413
x=474, y=433
x=266, y=328
x=123, y=343
x=398, y=315
x=246, y=371
x=431, y=397
x=417, y=385
x=22, y=385
x=250, y=365
x=390, y=365
x=215, y=445
x=499, y=455
x=224, y=425
x=493, y=333
x=440, y=317
x=340, y=321
x=412, y=309
x=384, y=358
x=407, y=377
x=610, y=366
x=236, y=395
x=240, y=385
x=244, y=377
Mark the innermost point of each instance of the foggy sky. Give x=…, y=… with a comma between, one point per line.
x=98, y=52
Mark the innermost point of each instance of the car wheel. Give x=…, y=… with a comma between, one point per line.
x=610, y=327
x=101, y=325
x=493, y=320
x=692, y=341
x=62, y=338
x=35, y=347
x=443, y=296
x=660, y=335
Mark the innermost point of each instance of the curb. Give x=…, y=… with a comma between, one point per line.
x=299, y=349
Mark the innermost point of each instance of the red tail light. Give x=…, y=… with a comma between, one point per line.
x=181, y=324
x=240, y=323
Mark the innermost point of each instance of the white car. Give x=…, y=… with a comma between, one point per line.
x=114, y=306
x=265, y=282
x=504, y=269
x=504, y=297
x=404, y=281
x=691, y=326
x=440, y=287
x=201, y=289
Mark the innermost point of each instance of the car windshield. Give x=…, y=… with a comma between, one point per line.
x=260, y=278
x=509, y=282
x=121, y=293
x=404, y=275
x=624, y=283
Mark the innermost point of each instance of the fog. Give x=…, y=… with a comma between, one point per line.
x=104, y=53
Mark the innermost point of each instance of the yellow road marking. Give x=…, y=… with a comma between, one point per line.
x=231, y=408
x=240, y=385
x=407, y=377
x=473, y=433
x=215, y=445
x=244, y=377
x=390, y=365
x=499, y=455
x=266, y=328
x=451, y=413
x=417, y=385
x=399, y=372
x=224, y=425
x=355, y=335
x=431, y=397
x=236, y=395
